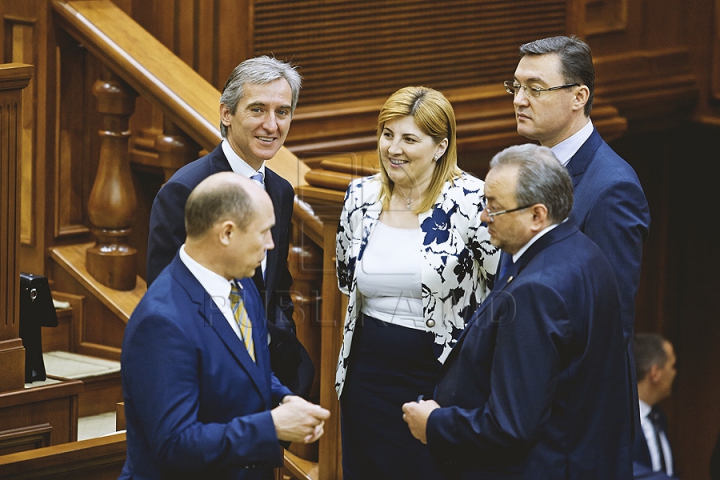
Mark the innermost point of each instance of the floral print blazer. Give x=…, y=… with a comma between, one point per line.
x=459, y=262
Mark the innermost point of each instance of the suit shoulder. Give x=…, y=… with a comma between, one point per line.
x=363, y=191
x=613, y=166
x=192, y=173
x=469, y=184
x=278, y=181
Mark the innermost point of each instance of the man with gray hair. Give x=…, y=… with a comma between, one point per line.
x=533, y=387
x=256, y=108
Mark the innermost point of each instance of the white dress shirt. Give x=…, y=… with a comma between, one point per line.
x=217, y=286
x=569, y=147
x=241, y=167
x=649, y=431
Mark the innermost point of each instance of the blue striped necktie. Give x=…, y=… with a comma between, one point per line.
x=258, y=177
x=242, y=319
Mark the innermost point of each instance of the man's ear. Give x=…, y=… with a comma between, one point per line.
x=226, y=230
x=654, y=373
x=539, y=219
x=581, y=97
x=225, y=115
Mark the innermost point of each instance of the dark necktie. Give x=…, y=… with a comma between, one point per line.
x=654, y=417
x=508, y=269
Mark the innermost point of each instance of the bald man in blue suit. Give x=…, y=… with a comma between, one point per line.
x=198, y=402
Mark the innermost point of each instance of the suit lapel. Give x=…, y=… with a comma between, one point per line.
x=214, y=318
x=579, y=162
x=514, y=271
x=273, y=190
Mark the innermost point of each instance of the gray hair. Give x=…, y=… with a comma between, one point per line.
x=541, y=178
x=575, y=60
x=258, y=71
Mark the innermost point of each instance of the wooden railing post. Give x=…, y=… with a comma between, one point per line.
x=112, y=203
x=13, y=78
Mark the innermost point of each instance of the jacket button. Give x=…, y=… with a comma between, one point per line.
x=430, y=323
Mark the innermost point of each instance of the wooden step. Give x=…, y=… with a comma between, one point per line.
x=101, y=379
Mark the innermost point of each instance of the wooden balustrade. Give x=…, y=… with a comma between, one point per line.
x=175, y=148
x=112, y=201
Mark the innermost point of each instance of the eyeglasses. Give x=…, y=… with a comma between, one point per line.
x=492, y=215
x=513, y=88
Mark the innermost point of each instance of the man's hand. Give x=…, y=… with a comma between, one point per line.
x=297, y=420
x=416, y=416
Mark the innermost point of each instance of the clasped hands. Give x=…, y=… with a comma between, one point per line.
x=297, y=420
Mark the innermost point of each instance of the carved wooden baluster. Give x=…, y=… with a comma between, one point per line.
x=175, y=148
x=112, y=203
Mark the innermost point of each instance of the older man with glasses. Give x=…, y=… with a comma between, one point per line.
x=534, y=387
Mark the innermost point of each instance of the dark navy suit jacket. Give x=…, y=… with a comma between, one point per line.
x=196, y=404
x=610, y=207
x=533, y=388
x=167, y=233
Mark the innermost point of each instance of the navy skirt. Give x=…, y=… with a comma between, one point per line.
x=389, y=365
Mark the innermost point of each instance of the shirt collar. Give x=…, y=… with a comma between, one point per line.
x=217, y=286
x=237, y=164
x=534, y=239
x=569, y=147
x=644, y=409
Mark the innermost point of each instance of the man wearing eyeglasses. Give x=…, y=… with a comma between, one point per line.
x=552, y=92
x=534, y=384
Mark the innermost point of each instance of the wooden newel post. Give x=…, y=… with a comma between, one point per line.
x=13, y=78
x=112, y=203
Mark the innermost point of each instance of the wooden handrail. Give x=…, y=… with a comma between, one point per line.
x=133, y=54
x=145, y=64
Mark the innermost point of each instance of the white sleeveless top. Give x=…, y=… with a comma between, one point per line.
x=389, y=276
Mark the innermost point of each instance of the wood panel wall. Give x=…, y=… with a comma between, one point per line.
x=355, y=50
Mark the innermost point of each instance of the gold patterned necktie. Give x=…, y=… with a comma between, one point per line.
x=242, y=319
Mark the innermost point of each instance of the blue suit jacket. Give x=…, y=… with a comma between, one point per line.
x=533, y=388
x=167, y=234
x=641, y=472
x=167, y=227
x=196, y=404
x=610, y=207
